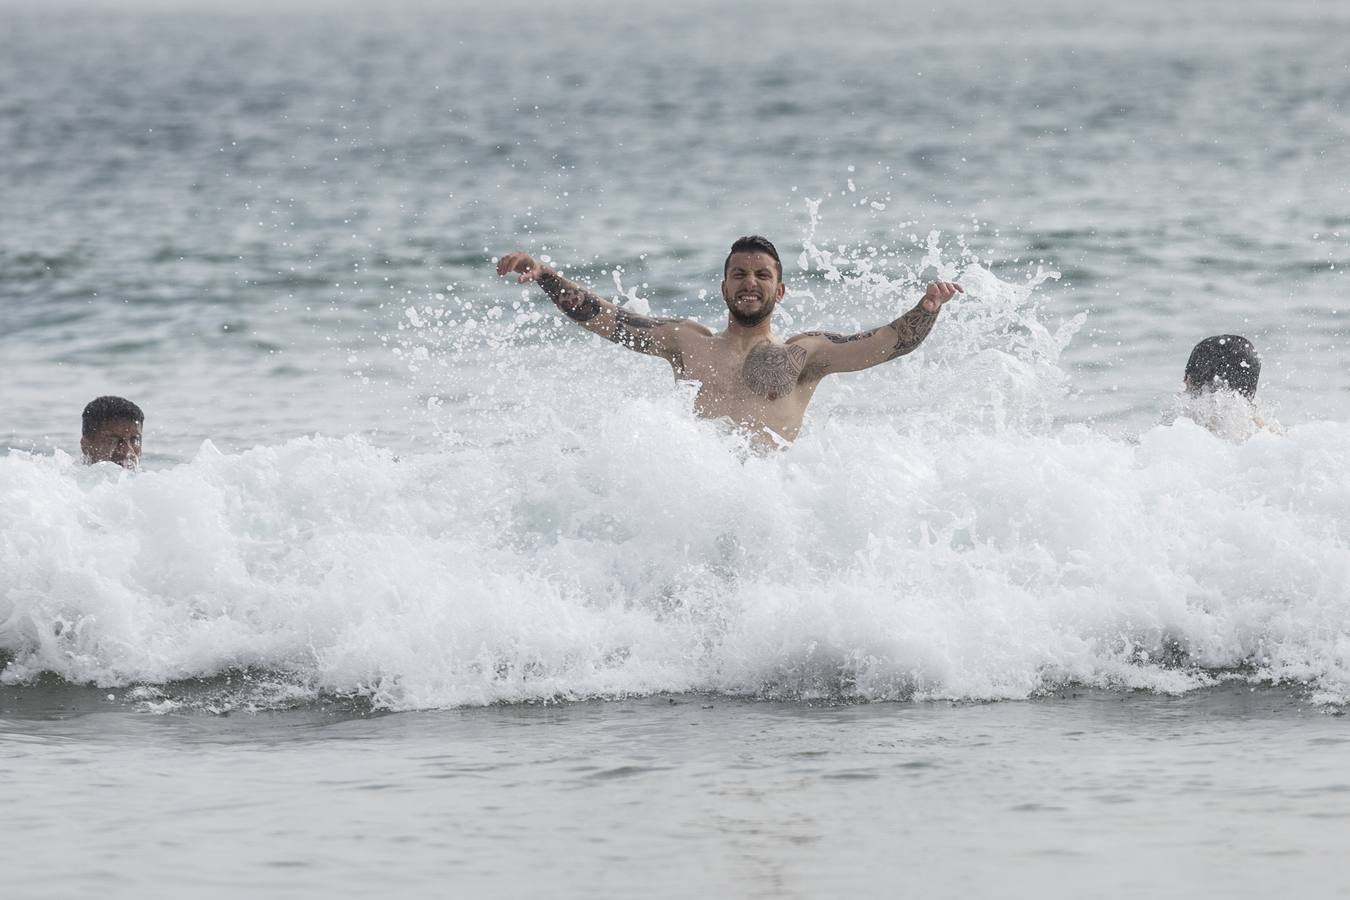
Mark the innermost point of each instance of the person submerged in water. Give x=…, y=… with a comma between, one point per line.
x=745, y=373
x=1220, y=388
x=111, y=432
x=1223, y=362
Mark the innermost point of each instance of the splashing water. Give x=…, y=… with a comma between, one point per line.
x=1226, y=414
x=990, y=363
x=573, y=531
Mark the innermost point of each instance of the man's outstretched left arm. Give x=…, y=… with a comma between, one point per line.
x=829, y=352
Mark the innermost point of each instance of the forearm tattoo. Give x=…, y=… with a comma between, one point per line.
x=773, y=370
x=577, y=303
x=910, y=330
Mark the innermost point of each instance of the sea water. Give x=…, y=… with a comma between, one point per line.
x=422, y=589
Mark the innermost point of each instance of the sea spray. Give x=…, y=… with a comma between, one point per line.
x=574, y=532
x=869, y=562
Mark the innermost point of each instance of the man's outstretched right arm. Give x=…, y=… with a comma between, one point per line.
x=645, y=334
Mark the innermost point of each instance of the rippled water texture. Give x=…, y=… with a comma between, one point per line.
x=220, y=209
x=1090, y=795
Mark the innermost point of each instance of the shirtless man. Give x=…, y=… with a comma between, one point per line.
x=745, y=372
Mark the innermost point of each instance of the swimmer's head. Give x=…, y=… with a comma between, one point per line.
x=753, y=243
x=1223, y=362
x=111, y=432
x=752, y=280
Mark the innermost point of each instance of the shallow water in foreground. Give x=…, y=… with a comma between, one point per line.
x=1083, y=794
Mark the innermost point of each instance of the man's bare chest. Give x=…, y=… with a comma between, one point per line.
x=768, y=371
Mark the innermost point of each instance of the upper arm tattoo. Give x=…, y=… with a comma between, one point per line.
x=634, y=331
x=580, y=305
x=841, y=338
x=577, y=303
x=910, y=330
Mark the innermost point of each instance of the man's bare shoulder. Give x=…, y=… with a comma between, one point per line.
x=689, y=325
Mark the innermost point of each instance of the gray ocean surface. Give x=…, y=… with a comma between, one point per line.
x=424, y=592
x=210, y=208
x=1227, y=793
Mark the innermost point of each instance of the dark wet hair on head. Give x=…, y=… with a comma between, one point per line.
x=1225, y=360
x=753, y=243
x=109, y=409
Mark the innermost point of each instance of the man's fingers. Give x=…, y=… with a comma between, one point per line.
x=938, y=293
x=515, y=262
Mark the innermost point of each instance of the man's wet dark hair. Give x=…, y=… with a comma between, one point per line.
x=753, y=243
x=1225, y=360
x=109, y=409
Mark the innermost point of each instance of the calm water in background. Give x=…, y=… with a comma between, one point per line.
x=273, y=228
x=215, y=210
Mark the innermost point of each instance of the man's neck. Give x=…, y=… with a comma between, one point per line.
x=749, y=334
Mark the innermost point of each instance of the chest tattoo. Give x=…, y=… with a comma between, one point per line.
x=771, y=370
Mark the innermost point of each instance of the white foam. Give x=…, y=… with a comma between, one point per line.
x=572, y=531
x=636, y=552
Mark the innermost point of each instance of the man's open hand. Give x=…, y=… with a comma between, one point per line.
x=938, y=293
x=524, y=265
